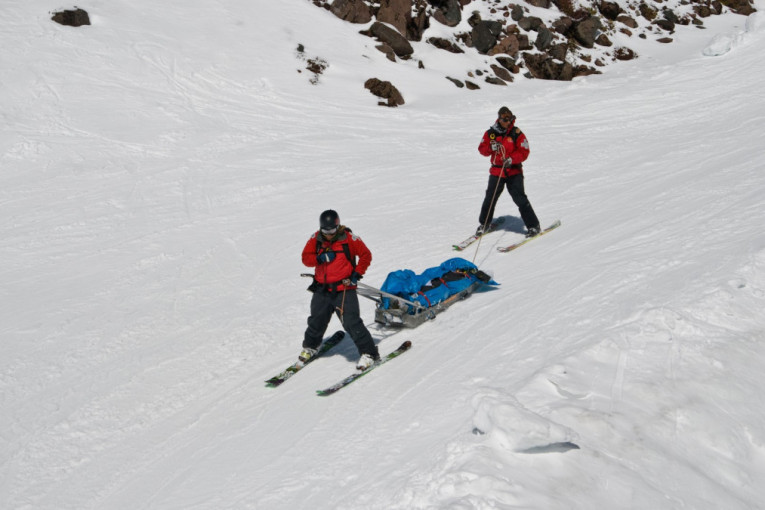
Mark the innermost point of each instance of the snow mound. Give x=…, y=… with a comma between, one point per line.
x=724, y=43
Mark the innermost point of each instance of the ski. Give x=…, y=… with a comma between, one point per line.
x=504, y=249
x=298, y=365
x=361, y=373
x=470, y=240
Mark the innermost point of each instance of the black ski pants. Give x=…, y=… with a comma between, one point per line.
x=514, y=185
x=346, y=304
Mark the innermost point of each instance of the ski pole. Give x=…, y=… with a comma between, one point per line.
x=493, y=203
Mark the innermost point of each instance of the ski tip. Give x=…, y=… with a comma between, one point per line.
x=406, y=345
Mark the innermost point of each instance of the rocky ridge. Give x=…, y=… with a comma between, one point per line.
x=542, y=39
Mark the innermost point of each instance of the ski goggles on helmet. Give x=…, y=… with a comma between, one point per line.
x=329, y=231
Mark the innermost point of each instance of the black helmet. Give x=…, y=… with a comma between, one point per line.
x=329, y=220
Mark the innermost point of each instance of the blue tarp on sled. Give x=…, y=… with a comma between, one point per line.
x=429, y=292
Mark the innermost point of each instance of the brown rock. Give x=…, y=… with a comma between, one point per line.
x=353, y=11
x=396, y=13
x=385, y=90
x=72, y=18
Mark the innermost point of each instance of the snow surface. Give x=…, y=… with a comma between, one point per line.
x=163, y=168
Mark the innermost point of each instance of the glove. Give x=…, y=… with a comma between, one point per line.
x=508, y=161
x=495, y=145
x=353, y=279
x=326, y=257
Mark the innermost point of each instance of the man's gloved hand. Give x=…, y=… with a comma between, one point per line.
x=508, y=161
x=495, y=145
x=353, y=279
x=326, y=257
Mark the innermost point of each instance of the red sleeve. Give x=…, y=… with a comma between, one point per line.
x=520, y=149
x=360, y=250
x=485, y=146
x=309, y=252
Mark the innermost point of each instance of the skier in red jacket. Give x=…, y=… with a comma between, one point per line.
x=508, y=148
x=341, y=259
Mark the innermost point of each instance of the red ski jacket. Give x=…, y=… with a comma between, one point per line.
x=347, y=247
x=515, y=147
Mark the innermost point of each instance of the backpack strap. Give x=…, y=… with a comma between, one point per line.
x=346, y=248
x=347, y=251
x=514, y=134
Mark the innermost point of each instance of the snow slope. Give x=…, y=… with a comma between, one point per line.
x=163, y=168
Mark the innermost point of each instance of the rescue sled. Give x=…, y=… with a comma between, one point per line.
x=407, y=299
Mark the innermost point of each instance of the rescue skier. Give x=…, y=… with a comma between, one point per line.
x=341, y=258
x=507, y=147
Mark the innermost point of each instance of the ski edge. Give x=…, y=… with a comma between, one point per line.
x=470, y=240
x=357, y=375
x=505, y=249
x=296, y=367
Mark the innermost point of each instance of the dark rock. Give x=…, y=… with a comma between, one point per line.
x=508, y=45
x=353, y=11
x=523, y=42
x=648, y=12
x=501, y=73
x=458, y=83
x=507, y=63
x=583, y=70
x=387, y=50
x=586, y=31
x=448, y=12
x=544, y=67
x=485, y=35
x=391, y=37
x=603, y=40
x=417, y=25
x=396, y=13
x=563, y=25
x=530, y=23
x=743, y=7
x=670, y=15
x=471, y=86
x=609, y=10
x=72, y=18
x=572, y=9
x=544, y=38
x=623, y=53
x=385, y=90
x=444, y=44
x=495, y=81
x=703, y=11
x=627, y=20
x=665, y=24
x=516, y=12
x=558, y=51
